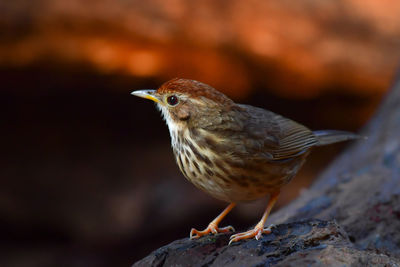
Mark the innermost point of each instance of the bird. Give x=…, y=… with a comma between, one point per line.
x=234, y=152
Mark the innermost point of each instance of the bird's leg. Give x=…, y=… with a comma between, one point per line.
x=213, y=226
x=259, y=228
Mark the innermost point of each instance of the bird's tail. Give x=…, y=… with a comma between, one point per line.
x=326, y=137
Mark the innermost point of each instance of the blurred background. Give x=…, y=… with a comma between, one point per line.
x=87, y=176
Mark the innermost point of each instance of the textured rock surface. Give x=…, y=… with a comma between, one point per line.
x=361, y=189
x=315, y=242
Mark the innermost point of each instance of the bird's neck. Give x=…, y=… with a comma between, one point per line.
x=176, y=130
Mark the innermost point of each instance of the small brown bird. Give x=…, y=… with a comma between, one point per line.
x=234, y=152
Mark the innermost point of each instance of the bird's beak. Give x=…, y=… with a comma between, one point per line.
x=148, y=94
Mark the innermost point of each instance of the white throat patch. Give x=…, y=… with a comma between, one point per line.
x=172, y=126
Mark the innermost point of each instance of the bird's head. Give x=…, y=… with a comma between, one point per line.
x=186, y=102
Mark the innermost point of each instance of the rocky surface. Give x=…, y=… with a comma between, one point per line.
x=310, y=242
x=361, y=189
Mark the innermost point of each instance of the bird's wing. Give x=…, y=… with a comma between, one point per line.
x=281, y=138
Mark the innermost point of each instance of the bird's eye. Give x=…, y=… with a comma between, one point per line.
x=172, y=100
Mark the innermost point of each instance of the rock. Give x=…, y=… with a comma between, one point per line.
x=315, y=242
x=361, y=189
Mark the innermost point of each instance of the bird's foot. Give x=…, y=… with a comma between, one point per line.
x=211, y=228
x=256, y=232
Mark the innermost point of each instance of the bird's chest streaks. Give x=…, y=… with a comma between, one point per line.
x=197, y=164
x=222, y=173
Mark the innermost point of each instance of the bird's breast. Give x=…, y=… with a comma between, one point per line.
x=223, y=175
x=199, y=163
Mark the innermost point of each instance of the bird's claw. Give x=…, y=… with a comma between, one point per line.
x=211, y=228
x=256, y=233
